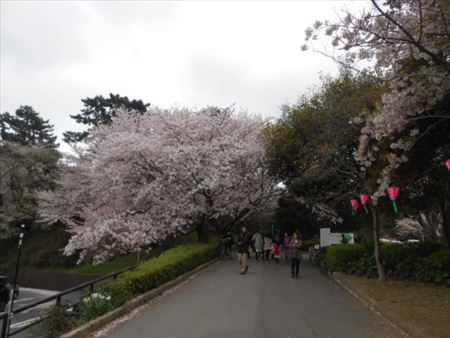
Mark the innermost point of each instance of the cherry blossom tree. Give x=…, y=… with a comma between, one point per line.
x=148, y=176
x=422, y=226
x=407, y=43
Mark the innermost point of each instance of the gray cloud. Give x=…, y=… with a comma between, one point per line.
x=187, y=53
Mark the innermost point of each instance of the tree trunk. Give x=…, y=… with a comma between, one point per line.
x=376, y=244
x=202, y=232
x=446, y=220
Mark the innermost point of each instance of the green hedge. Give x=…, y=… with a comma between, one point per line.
x=167, y=266
x=422, y=262
x=339, y=256
x=310, y=242
x=151, y=274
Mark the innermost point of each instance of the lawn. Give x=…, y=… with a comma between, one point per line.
x=424, y=306
x=43, y=251
x=113, y=265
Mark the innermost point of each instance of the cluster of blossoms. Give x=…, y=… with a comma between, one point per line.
x=146, y=177
x=407, y=42
x=96, y=298
x=325, y=212
x=322, y=210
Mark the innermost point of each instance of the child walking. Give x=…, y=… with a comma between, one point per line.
x=276, y=249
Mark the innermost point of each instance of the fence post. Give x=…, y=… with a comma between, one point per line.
x=91, y=289
x=3, y=332
x=58, y=300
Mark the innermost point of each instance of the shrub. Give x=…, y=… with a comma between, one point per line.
x=436, y=268
x=159, y=270
x=406, y=261
x=55, y=323
x=310, y=242
x=424, y=249
x=320, y=257
x=340, y=257
x=415, y=262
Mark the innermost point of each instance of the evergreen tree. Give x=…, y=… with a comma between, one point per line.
x=27, y=128
x=100, y=110
x=28, y=163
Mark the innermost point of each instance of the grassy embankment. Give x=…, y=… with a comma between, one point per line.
x=421, y=305
x=43, y=251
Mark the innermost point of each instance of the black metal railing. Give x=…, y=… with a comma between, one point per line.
x=57, y=298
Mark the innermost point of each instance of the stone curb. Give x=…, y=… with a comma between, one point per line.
x=97, y=323
x=404, y=328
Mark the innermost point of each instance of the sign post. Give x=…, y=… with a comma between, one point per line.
x=13, y=290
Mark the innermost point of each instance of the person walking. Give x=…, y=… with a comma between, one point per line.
x=267, y=247
x=285, y=246
x=228, y=242
x=244, y=244
x=258, y=244
x=295, y=254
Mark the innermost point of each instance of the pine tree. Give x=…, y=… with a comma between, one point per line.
x=26, y=128
x=100, y=110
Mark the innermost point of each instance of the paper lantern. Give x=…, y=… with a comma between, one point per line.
x=355, y=206
x=447, y=163
x=393, y=195
x=364, y=200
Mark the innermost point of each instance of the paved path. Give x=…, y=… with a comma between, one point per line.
x=266, y=302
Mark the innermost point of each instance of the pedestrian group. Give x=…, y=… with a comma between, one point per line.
x=266, y=247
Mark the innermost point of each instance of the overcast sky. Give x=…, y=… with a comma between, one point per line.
x=186, y=53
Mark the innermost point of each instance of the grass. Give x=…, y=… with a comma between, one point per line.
x=422, y=305
x=43, y=251
x=113, y=265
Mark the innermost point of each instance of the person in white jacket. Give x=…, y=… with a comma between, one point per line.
x=257, y=240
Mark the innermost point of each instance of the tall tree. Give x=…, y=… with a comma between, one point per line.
x=100, y=110
x=28, y=163
x=311, y=148
x=26, y=128
x=408, y=42
x=144, y=177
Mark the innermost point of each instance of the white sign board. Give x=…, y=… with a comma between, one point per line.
x=325, y=237
x=328, y=238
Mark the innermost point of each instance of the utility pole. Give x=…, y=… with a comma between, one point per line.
x=16, y=274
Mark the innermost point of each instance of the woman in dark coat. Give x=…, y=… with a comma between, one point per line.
x=295, y=254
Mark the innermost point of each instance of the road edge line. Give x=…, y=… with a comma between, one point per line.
x=96, y=324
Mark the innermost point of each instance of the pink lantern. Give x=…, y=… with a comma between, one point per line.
x=393, y=195
x=355, y=206
x=447, y=163
x=364, y=199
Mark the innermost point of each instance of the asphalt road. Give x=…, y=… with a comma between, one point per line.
x=28, y=296
x=266, y=302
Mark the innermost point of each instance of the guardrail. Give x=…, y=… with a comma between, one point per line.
x=57, y=298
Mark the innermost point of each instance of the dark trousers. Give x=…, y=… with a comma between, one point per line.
x=258, y=255
x=295, y=266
